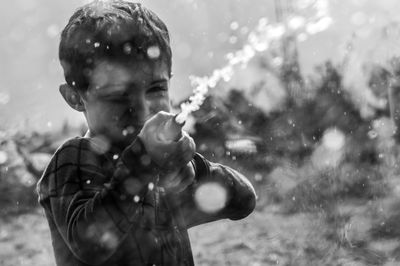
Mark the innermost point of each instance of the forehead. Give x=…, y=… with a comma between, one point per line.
x=117, y=73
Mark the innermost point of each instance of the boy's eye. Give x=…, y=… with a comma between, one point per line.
x=116, y=99
x=157, y=91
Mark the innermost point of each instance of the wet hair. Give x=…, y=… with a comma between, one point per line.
x=113, y=30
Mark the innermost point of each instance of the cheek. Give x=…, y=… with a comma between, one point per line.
x=104, y=115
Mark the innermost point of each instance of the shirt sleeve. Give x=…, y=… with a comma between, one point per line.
x=238, y=195
x=93, y=212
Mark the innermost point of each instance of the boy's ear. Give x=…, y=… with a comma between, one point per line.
x=72, y=97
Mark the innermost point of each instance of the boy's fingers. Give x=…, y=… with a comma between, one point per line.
x=188, y=155
x=180, y=180
x=186, y=143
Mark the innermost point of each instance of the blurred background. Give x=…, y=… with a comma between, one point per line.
x=303, y=100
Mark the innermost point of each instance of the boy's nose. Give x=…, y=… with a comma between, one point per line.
x=139, y=111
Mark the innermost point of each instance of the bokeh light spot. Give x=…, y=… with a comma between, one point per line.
x=234, y=25
x=136, y=198
x=153, y=52
x=4, y=98
x=3, y=157
x=53, y=30
x=127, y=48
x=211, y=197
x=372, y=134
x=333, y=139
x=109, y=239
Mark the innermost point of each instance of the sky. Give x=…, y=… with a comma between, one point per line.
x=200, y=30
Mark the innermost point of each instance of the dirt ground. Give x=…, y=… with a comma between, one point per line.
x=266, y=237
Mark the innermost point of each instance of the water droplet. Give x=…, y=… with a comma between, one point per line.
x=153, y=52
x=258, y=177
x=88, y=181
x=115, y=157
x=302, y=37
x=244, y=30
x=234, y=25
x=130, y=129
x=4, y=98
x=53, y=30
x=151, y=186
x=333, y=139
x=96, y=44
x=136, y=198
x=3, y=157
x=296, y=22
x=109, y=239
x=372, y=134
x=321, y=25
x=211, y=197
x=127, y=48
x=233, y=39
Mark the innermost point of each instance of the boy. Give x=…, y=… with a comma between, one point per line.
x=123, y=194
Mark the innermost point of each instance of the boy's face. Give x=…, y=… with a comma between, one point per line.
x=122, y=96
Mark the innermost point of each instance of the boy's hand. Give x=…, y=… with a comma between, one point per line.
x=168, y=154
x=179, y=180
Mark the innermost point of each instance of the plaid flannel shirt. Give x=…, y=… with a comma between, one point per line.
x=106, y=209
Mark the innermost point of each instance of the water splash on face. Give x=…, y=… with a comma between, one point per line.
x=153, y=52
x=258, y=40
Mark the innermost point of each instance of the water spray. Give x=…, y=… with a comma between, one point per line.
x=258, y=40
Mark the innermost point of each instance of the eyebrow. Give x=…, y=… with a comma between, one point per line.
x=119, y=88
x=158, y=81
x=111, y=89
